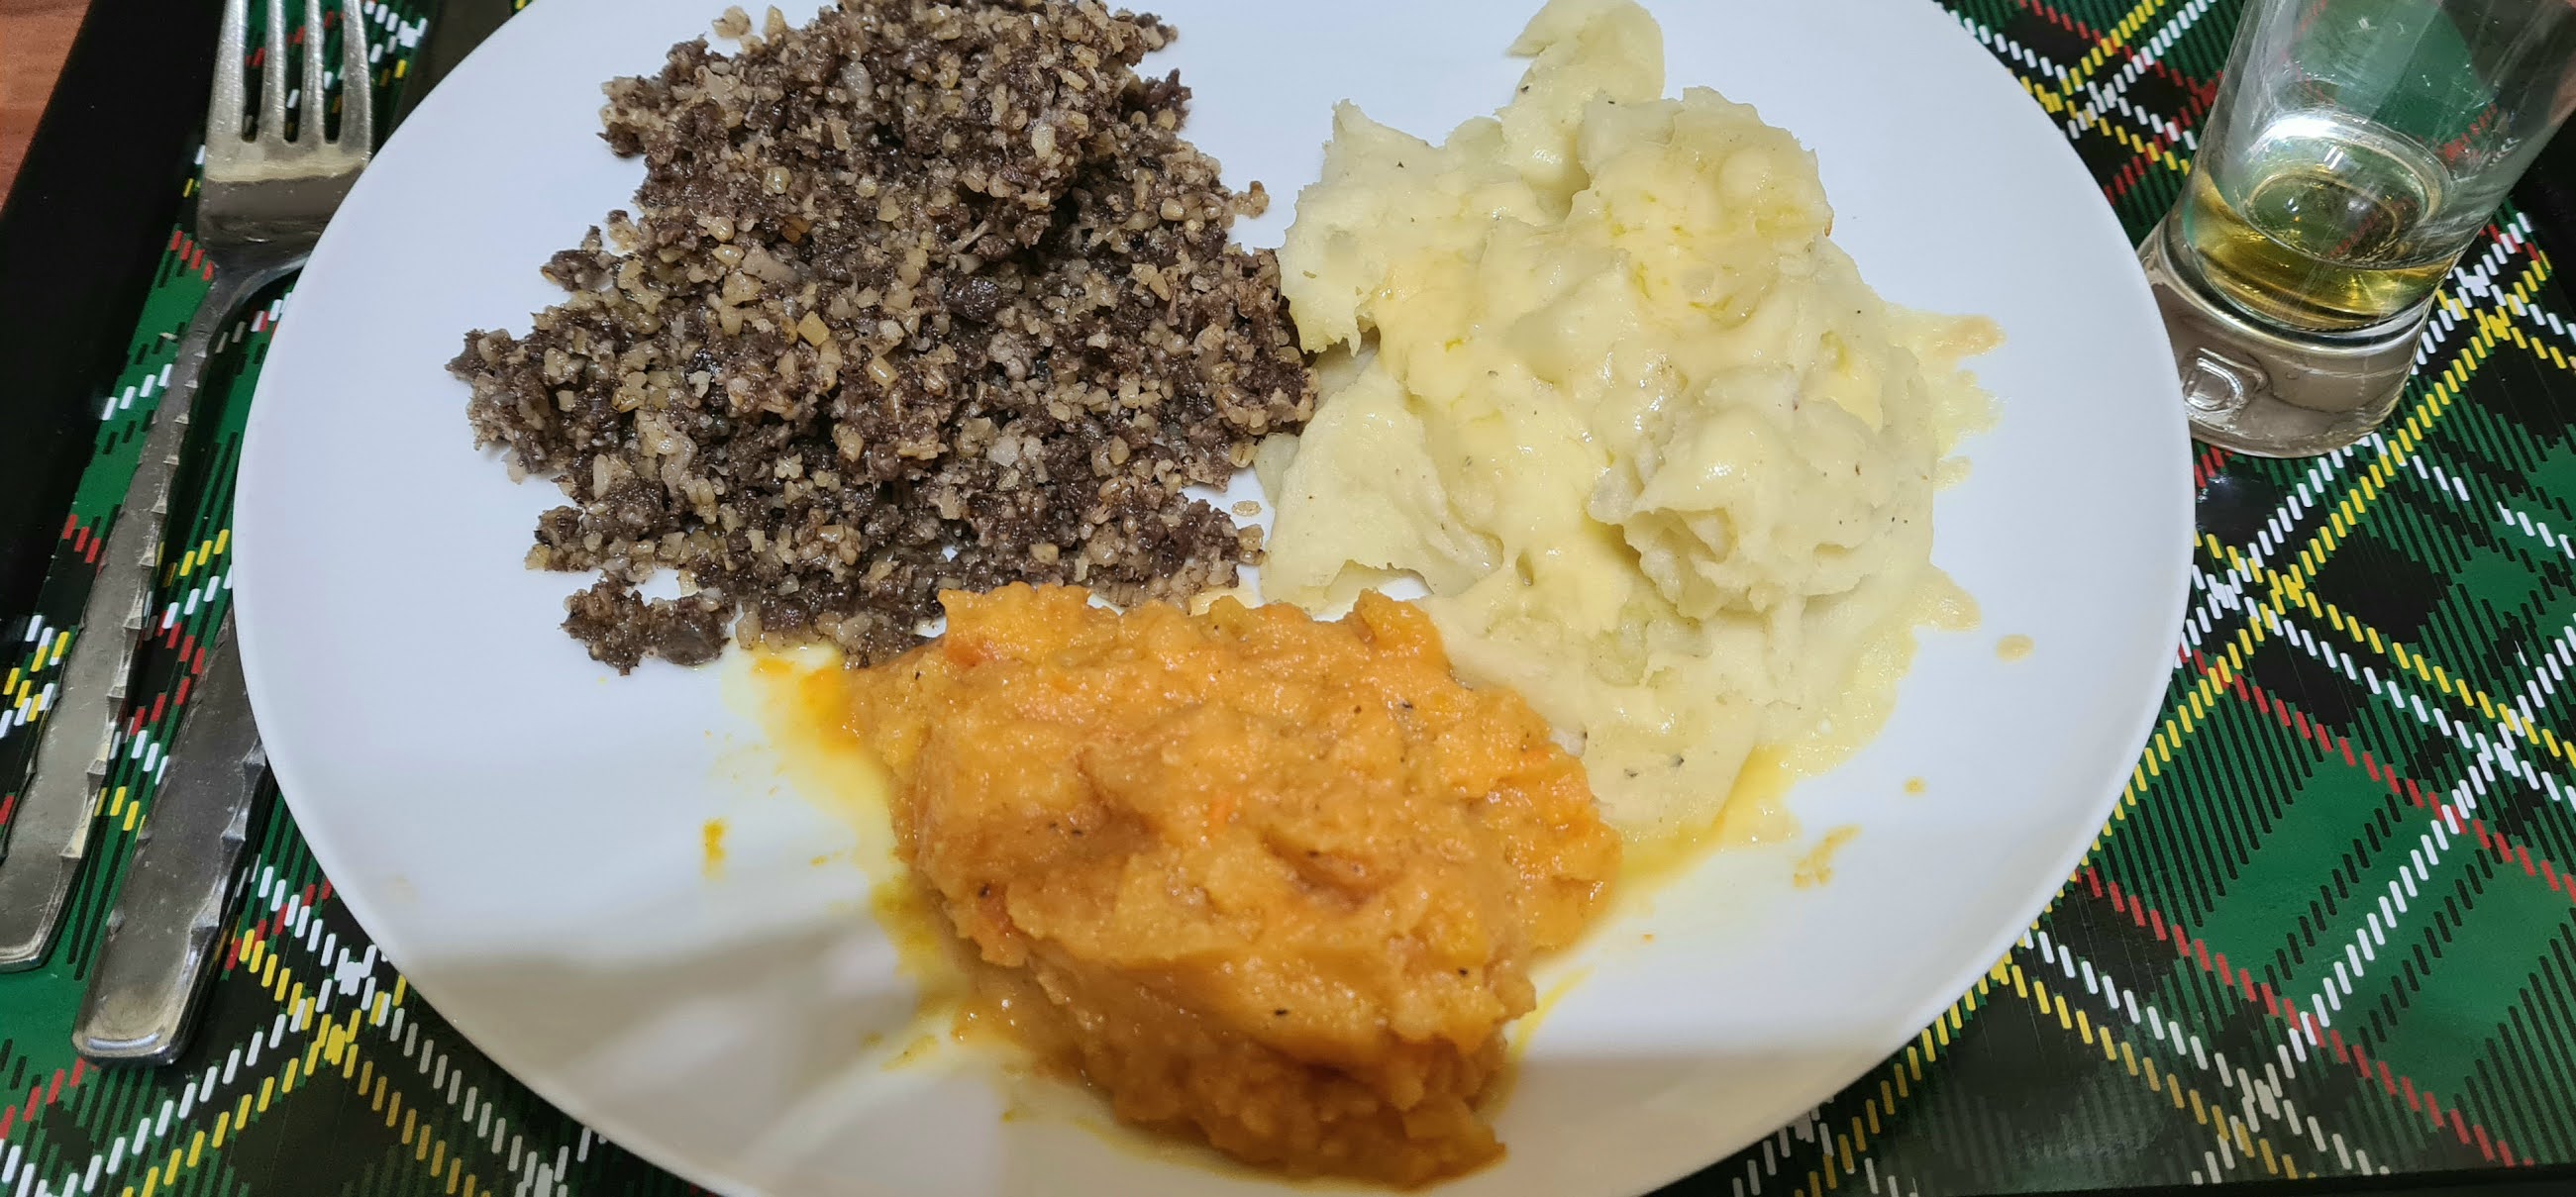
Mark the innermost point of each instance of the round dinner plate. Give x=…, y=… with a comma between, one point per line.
x=522, y=831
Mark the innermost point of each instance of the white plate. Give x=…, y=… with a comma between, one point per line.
x=520, y=831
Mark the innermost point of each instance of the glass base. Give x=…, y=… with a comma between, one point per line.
x=2270, y=392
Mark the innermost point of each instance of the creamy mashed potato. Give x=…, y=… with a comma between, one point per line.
x=1594, y=373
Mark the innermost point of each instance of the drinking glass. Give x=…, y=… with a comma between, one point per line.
x=2355, y=149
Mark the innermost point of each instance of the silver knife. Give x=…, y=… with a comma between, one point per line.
x=50, y=835
x=169, y=917
x=161, y=940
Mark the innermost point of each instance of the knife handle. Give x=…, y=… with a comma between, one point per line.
x=169, y=917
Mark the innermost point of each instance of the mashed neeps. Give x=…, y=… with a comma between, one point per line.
x=1277, y=881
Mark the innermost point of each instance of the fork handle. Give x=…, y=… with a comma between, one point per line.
x=50, y=833
x=160, y=944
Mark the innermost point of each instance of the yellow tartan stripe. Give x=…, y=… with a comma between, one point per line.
x=2489, y=326
x=2289, y=590
x=2456, y=690
x=2225, y=1126
x=2283, y=589
x=1843, y=1149
x=2112, y=41
x=2519, y=310
x=332, y=1046
x=2190, y=713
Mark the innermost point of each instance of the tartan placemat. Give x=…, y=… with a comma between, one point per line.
x=2330, y=929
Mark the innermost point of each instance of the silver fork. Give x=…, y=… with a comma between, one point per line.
x=265, y=201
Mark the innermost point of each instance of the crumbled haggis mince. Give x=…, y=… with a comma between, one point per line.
x=919, y=296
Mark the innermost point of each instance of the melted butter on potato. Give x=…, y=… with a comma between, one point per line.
x=1595, y=373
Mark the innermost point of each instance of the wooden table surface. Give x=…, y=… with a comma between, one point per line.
x=34, y=37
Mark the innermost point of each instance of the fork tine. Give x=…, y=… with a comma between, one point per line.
x=316, y=88
x=357, y=79
x=224, y=108
x=272, y=100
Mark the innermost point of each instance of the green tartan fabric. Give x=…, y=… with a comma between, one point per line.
x=2330, y=929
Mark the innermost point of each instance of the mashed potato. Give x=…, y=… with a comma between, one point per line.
x=1595, y=374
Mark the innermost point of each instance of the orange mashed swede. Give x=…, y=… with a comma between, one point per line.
x=1275, y=881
